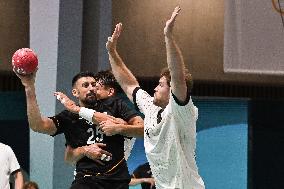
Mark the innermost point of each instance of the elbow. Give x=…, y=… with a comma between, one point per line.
x=69, y=160
x=35, y=128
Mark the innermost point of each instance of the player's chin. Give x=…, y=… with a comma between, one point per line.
x=90, y=100
x=156, y=101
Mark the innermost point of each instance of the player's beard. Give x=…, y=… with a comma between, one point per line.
x=90, y=100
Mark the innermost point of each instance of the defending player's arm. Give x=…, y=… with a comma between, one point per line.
x=133, y=128
x=19, y=179
x=93, y=151
x=37, y=122
x=175, y=60
x=122, y=74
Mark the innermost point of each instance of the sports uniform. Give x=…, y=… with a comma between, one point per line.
x=9, y=165
x=78, y=132
x=143, y=171
x=170, y=141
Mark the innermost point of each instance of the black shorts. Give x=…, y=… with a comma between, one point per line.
x=92, y=182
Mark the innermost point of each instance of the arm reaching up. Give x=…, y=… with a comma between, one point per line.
x=37, y=122
x=122, y=74
x=175, y=60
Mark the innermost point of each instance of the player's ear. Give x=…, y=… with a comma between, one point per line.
x=111, y=91
x=75, y=92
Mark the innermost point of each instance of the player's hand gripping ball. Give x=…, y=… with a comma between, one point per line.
x=24, y=61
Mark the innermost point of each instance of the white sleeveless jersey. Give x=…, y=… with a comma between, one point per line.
x=170, y=145
x=9, y=164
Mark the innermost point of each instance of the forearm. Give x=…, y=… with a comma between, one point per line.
x=131, y=130
x=72, y=156
x=19, y=180
x=135, y=181
x=174, y=58
x=122, y=74
x=36, y=122
x=177, y=68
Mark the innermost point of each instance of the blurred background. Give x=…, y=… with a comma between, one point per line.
x=234, y=50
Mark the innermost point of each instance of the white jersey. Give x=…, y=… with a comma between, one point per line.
x=170, y=144
x=9, y=164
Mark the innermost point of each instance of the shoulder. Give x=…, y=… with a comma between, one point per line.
x=65, y=114
x=6, y=148
x=185, y=108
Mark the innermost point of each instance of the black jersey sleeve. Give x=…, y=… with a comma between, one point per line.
x=59, y=121
x=134, y=97
x=126, y=110
x=180, y=102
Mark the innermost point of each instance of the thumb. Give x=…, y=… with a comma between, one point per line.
x=101, y=144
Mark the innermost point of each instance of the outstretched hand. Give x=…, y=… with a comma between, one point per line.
x=112, y=41
x=28, y=79
x=67, y=102
x=170, y=23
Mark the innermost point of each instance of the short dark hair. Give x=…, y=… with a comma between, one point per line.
x=188, y=78
x=107, y=79
x=80, y=75
x=30, y=184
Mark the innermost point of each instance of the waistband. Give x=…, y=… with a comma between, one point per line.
x=89, y=173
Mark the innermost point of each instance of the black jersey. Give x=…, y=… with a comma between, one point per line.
x=79, y=132
x=143, y=171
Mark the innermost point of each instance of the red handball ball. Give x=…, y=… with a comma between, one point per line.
x=24, y=61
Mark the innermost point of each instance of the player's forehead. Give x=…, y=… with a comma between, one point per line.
x=83, y=80
x=163, y=80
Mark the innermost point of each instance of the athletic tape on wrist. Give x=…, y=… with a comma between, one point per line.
x=87, y=114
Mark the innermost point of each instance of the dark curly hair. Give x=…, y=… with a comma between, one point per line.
x=107, y=79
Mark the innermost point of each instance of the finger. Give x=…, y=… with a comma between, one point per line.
x=119, y=28
x=175, y=13
x=103, y=156
x=63, y=100
x=100, y=126
x=110, y=39
x=99, y=161
x=100, y=144
x=117, y=31
x=60, y=98
x=108, y=158
x=106, y=153
x=102, y=122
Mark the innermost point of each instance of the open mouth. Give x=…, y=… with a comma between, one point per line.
x=91, y=95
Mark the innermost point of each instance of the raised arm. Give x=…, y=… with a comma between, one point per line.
x=37, y=122
x=122, y=74
x=175, y=60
